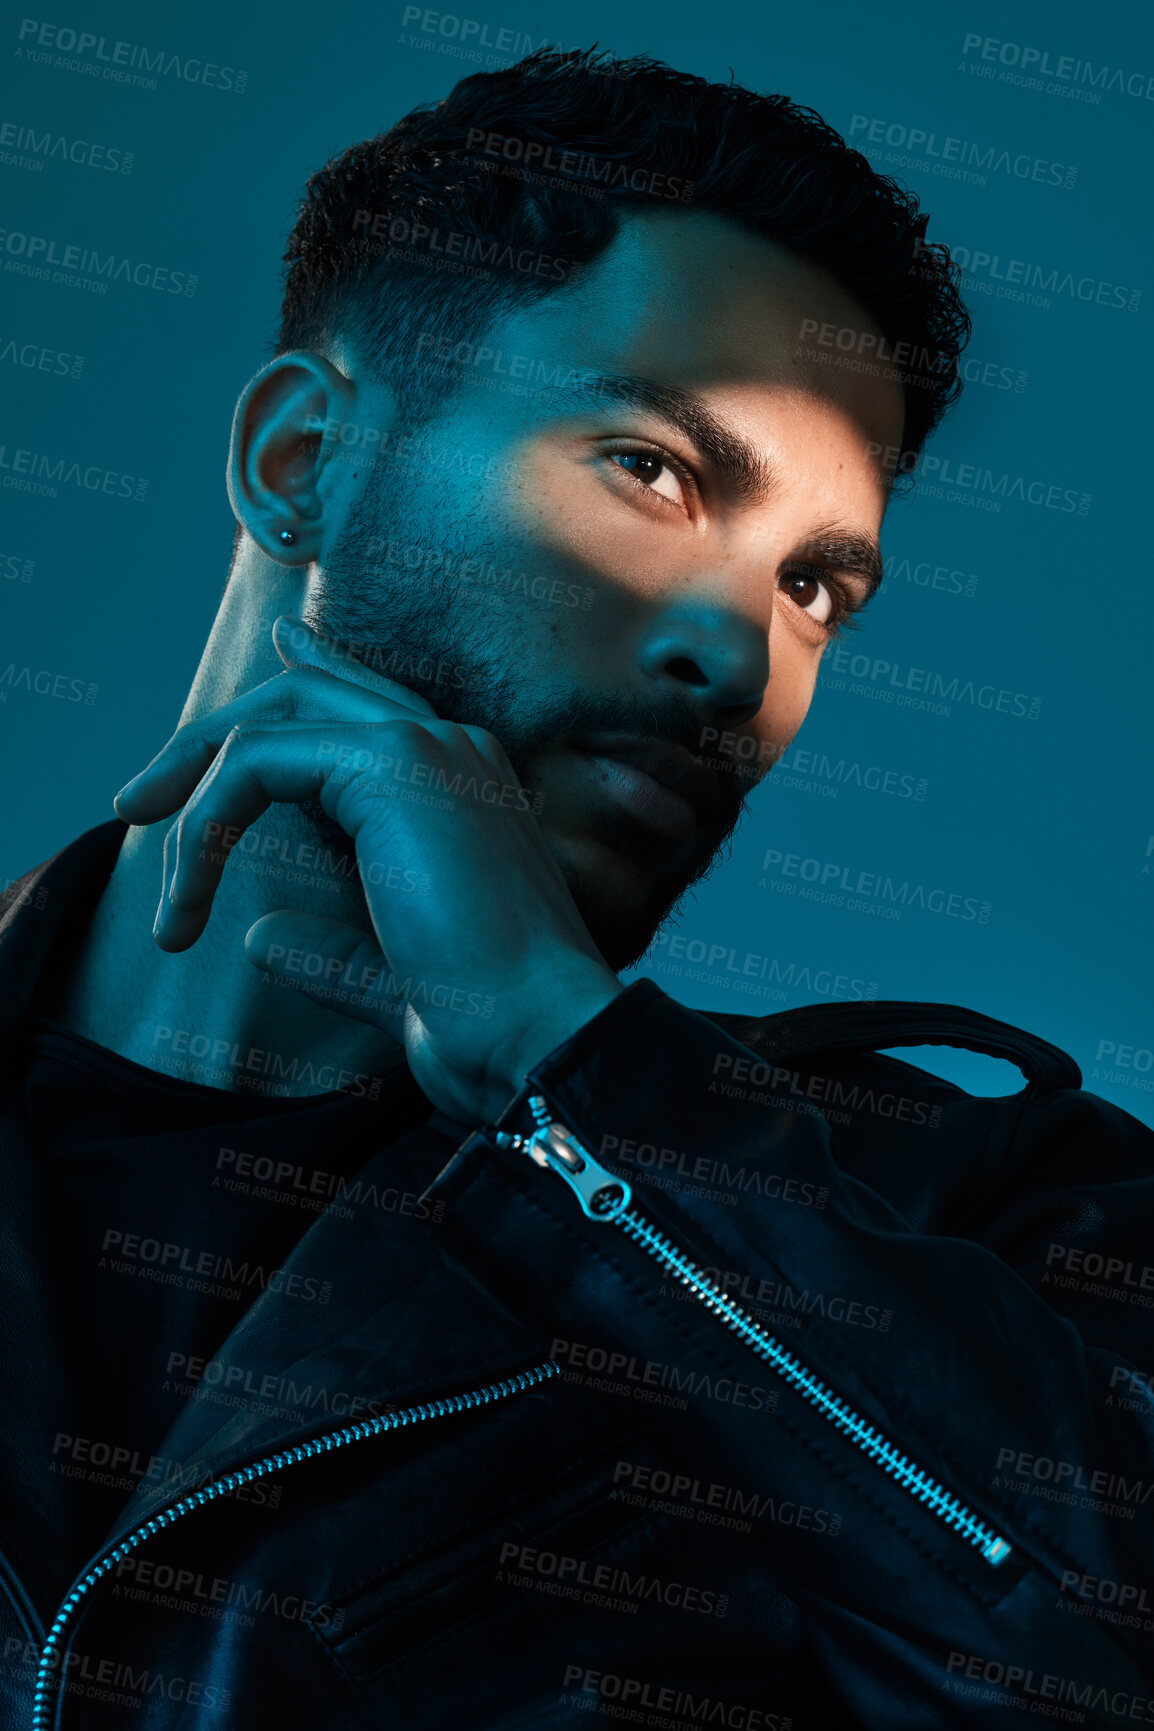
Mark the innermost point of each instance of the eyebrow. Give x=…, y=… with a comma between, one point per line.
x=846, y=550
x=749, y=475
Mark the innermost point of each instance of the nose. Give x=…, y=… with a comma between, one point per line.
x=718, y=654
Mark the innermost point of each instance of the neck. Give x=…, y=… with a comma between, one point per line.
x=206, y=1014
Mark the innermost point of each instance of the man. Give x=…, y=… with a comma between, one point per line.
x=414, y=1326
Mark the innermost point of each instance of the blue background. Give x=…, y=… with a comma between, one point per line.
x=1048, y=820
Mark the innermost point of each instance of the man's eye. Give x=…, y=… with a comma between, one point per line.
x=652, y=472
x=811, y=594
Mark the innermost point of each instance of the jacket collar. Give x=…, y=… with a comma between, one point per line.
x=43, y=914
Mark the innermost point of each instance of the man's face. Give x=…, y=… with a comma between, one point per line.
x=609, y=592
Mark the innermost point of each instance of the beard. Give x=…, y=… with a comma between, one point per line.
x=418, y=620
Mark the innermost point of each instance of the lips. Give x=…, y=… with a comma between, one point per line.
x=660, y=783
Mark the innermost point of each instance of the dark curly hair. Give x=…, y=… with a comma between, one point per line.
x=359, y=256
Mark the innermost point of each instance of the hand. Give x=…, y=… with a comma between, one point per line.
x=484, y=975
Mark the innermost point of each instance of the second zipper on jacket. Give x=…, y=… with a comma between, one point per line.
x=608, y=1199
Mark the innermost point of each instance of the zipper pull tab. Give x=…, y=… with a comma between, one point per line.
x=601, y=1195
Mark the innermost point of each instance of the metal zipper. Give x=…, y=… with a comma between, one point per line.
x=604, y=1197
x=244, y=1475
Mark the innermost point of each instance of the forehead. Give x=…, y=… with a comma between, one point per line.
x=696, y=300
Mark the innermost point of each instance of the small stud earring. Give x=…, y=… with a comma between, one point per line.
x=287, y=537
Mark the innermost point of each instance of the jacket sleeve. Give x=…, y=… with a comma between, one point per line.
x=929, y=1383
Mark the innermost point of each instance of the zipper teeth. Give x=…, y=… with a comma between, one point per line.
x=912, y=1478
x=453, y=1403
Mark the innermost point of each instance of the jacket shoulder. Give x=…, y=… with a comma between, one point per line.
x=815, y=1029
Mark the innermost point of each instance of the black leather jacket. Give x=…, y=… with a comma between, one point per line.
x=815, y=1427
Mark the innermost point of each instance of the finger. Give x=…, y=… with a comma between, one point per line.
x=304, y=695
x=492, y=751
x=301, y=645
x=334, y=964
x=255, y=767
x=249, y=772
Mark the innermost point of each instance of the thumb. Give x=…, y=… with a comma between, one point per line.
x=299, y=645
x=336, y=965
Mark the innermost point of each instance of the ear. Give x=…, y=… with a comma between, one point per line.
x=279, y=453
